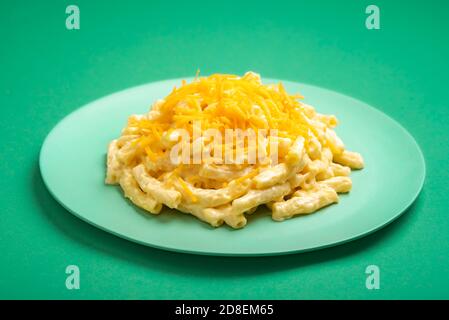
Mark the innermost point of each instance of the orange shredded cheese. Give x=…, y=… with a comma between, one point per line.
x=187, y=190
x=222, y=101
x=250, y=175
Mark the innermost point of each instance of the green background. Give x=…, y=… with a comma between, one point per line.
x=48, y=71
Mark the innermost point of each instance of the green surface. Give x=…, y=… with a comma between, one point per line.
x=48, y=71
x=75, y=177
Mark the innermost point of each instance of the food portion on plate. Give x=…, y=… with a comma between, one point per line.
x=221, y=146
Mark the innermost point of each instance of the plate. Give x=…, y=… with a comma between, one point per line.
x=72, y=164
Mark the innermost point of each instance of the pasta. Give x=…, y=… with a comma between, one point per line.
x=221, y=146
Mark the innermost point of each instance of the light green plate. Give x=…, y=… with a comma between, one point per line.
x=72, y=163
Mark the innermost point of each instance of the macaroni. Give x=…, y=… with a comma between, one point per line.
x=179, y=154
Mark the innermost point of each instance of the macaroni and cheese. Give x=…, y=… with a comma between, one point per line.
x=221, y=146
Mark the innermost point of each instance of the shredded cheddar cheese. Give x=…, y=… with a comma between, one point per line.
x=221, y=102
x=187, y=190
x=250, y=175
